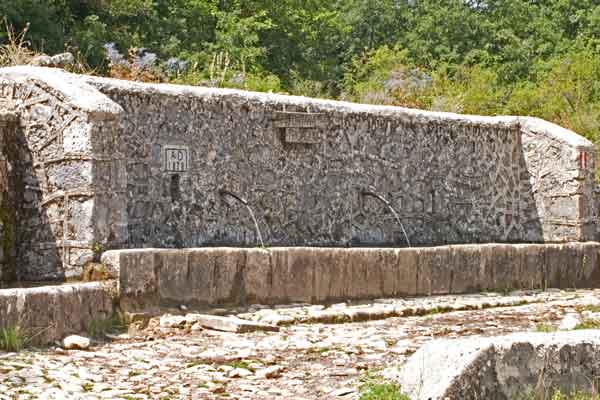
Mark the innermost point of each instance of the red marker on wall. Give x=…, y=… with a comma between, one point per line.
x=582, y=160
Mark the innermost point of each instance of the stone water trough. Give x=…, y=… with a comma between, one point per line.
x=144, y=280
x=214, y=277
x=163, y=190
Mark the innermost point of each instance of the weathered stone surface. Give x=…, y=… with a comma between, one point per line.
x=215, y=276
x=63, y=146
x=229, y=324
x=503, y=368
x=51, y=312
x=11, y=196
x=76, y=342
x=57, y=61
x=314, y=361
x=112, y=164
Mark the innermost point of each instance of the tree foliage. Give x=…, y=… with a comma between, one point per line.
x=472, y=56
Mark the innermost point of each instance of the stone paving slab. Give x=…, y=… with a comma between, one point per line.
x=301, y=361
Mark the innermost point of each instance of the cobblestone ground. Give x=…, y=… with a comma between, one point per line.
x=306, y=359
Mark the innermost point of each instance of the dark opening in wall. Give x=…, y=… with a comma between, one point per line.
x=175, y=190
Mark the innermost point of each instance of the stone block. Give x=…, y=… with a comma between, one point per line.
x=293, y=273
x=465, y=264
x=530, y=274
x=558, y=259
x=329, y=282
x=502, y=368
x=229, y=324
x=174, y=283
x=216, y=275
x=49, y=313
x=435, y=271
x=138, y=279
x=406, y=266
x=258, y=276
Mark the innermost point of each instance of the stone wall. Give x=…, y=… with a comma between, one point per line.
x=56, y=146
x=122, y=165
x=302, y=163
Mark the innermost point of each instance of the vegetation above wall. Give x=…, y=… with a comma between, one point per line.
x=470, y=56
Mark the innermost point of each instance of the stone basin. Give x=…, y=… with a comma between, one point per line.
x=150, y=278
x=48, y=313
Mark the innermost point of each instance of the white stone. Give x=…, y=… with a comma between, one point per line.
x=270, y=372
x=569, y=322
x=239, y=373
x=75, y=342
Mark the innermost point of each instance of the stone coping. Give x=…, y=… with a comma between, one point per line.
x=83, y=92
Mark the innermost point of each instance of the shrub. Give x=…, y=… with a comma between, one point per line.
x=12, y=339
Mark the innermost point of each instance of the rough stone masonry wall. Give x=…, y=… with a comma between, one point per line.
x=302, y=164
x=56, y=147
x=115, y=164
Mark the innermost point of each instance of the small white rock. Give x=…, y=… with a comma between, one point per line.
x=239, y=373
x=270, y=372
x=76, y=342
x=569, y=322
x=196, y=327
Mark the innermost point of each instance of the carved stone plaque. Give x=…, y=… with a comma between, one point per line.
x=176, y=158
x=300, y=120
x=302, y=135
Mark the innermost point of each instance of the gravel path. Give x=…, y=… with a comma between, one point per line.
x=306, y=359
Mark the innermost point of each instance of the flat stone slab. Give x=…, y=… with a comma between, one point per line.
x=503, y=368
x=230, y=324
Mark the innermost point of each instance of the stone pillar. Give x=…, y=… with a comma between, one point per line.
x=8, y=197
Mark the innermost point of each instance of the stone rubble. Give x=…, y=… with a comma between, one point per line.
x=305, y=359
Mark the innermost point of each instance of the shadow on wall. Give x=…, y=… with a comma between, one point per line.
x=38, y=235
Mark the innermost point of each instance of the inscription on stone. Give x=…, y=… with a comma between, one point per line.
x=176, y=158
x=300, y=120
x=302, y=135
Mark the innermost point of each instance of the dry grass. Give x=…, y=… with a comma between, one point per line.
x=15, y=51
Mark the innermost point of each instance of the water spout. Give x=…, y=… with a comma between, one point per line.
x=388, y=205
x=223, y=192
